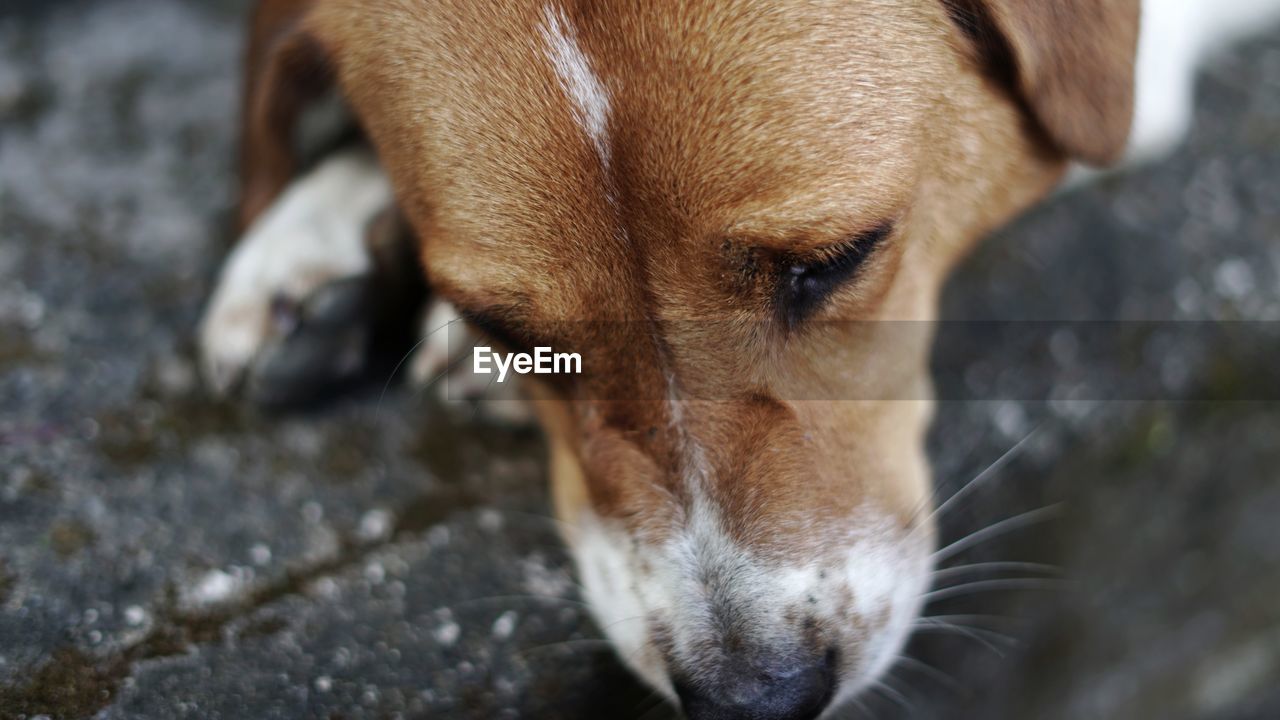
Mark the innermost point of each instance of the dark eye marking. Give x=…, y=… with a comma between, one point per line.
x=804, y=283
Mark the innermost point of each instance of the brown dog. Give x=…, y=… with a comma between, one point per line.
x=715, y=204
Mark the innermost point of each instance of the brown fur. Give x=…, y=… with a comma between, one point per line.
x=738, y=131
x=1070, y=61
x=284, y=69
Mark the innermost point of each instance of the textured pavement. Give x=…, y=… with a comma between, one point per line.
x=163, y=555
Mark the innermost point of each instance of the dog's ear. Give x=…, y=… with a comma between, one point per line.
x=286, y=69
x=1069, y=62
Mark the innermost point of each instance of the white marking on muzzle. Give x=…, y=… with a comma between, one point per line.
x=866, y=593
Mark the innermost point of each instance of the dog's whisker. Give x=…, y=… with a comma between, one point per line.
x=982, y=586
x=929, y=502
x=938, y=676
x=939, y=621
x=444, y=373
x=927, y=623
x=863, y=707
x=903, y=690
x=994, y=567
x=616, y=623
x=548, y=519
x=476, y=410
x=657, y=701
x=980, y=479
x=639, y=713
x=400, y=363
x=977, y=618
x=518, y=598
x=964, y=632
x=1007, y=525
x=891, y=693
x=597, y=642
x=975, y=634
x=856, y=707
x=592, y=643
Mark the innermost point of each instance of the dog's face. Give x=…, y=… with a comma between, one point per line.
x=725, y=208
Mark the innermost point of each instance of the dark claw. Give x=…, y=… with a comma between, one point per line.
x=285, y=315
x=319, y=343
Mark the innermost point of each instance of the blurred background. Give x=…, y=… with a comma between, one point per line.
x=163, y=555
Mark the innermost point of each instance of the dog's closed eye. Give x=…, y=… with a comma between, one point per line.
x=805, y=283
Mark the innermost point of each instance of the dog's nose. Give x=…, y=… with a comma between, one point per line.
x=798, y=694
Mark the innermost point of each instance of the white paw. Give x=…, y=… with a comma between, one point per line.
x=304, y=265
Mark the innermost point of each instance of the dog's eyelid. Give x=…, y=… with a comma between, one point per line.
x=805, y=283
x=858, y=243
x=495, y=325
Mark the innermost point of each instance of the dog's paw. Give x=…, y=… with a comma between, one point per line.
x=292, y=309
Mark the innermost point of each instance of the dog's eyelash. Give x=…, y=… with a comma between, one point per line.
x=805, y=283
x=493, y=324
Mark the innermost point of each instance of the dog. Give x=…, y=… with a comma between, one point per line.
x=720, y=206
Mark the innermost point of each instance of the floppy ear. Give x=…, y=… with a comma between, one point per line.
x=286, y=69
x=1070, y=62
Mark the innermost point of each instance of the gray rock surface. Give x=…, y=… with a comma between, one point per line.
x=163, y=555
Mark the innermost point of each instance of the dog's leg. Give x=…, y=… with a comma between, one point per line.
x=293, y=304
x=297, y=298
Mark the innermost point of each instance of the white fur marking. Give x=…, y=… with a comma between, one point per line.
x=589, y=95
x=883, y=569
x=312, y=235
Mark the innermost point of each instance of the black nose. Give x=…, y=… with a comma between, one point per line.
x=798, y=694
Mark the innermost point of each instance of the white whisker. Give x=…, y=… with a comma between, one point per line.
x=933, y=496
x=450, y=367
x=866, y=709
x=1004, y=526
x=937, y=621
x=902, y=692
x=992, y=586
x=892, y=693
x=975, y=634
x=551, y=520
x=520, y=598
x=937, y=675
x=409, y=353
x=654, y=700
x=981, y=478
x=972, y=618
x=962, y=570
x=593, y=643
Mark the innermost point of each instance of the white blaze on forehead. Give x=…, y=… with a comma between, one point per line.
x=589, y=96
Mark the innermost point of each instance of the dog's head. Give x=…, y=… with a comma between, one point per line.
x=723, y=207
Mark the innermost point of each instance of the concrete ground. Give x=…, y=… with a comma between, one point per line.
x=163, y=555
